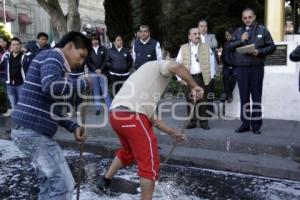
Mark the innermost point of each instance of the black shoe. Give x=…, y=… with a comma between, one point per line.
x=98, y=112
x=191, y=125
x=204, y=126
x=103, y=185
x=256, y=132
x=223, y=97
x=242, y=129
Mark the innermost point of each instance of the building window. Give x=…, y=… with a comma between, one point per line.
x=22, y=28
x=24, y=21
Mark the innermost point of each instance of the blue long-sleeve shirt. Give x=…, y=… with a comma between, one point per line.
x=46, y=83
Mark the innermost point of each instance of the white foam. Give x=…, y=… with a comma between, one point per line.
x=276, y=187
x=70, y=153
x=9, y=150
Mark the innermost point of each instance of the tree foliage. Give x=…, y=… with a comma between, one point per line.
x=220, y=14
x=152, y=15
x=118, y=19
x=4, y=32
x=136, y=14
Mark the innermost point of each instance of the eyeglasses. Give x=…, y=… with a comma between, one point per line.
x=247, y=17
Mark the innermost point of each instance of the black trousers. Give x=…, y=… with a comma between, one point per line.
x=210, y=96
x=117, y=82
x=229, y=80
x=200, y=112
x=250, y=82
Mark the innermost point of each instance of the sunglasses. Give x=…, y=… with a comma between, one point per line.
x=248, y=17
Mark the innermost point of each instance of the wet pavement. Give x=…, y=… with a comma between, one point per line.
x=18, y=180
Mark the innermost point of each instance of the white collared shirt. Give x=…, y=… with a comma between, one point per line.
x=96, y=48
x=203, y=38
x=146, y=41
x=195, y=65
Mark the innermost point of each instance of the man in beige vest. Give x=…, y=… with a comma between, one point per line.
x=198, y=58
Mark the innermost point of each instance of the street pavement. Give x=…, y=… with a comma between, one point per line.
x=273, y=153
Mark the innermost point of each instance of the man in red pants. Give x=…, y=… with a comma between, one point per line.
x=132, y=117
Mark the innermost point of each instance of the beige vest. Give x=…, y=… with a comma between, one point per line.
x=204, y=59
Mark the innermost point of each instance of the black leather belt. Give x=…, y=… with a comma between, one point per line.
x=199, y=74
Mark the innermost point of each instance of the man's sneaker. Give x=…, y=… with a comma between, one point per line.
x=103, y=185
x=8, y=113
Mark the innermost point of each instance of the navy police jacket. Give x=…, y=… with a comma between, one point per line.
x=260, y=37
x=117, y=61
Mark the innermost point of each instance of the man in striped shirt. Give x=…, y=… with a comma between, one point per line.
x=37, y=115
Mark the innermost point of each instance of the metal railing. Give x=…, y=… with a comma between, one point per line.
x=24, y=37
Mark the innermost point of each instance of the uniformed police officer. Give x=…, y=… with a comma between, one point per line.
x=118, y=62
x=250, y=69
x=145, y=48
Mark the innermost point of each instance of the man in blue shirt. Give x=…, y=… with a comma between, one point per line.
x=37, y=118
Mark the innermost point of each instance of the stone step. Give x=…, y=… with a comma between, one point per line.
x=270, y=166
x=278, y=138
x=218, y=138
x=250, y=144
x=247, y=143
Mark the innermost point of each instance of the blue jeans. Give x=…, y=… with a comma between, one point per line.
x=13, y=93
x=54, y=175
x=101, y=84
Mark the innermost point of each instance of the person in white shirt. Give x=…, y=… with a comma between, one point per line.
x=145, y=48
x=209, y=39
x=198, y=58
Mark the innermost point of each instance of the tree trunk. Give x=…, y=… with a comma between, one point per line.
x=73, y=16
x=63, y=23
x=60, y=23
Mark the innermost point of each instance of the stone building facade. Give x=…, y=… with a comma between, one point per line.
x=26, y=18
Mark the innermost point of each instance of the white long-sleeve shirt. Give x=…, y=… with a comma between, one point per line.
x=195, y=65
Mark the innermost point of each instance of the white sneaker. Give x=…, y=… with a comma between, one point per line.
x=8, y=113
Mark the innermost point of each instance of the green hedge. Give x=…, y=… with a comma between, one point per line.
x=175, y=87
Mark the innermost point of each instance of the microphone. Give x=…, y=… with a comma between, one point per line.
x=247, y=28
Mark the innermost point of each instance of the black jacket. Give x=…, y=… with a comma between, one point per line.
x=263, y=41
x=5, y=65
x=295, y=56
x=119, y=61
x=228, y=56
x=33, y=48
x=97, y=60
